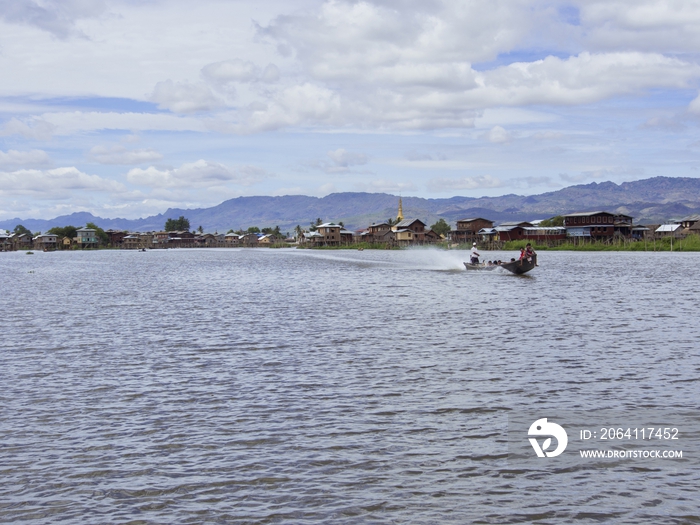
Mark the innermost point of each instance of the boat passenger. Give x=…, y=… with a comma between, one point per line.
x=522, y=253
x=529, y=251
x=475, y=254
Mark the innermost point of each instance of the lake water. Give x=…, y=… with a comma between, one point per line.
x=291, y=386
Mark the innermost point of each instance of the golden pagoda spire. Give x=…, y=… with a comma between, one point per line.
x=399, y=217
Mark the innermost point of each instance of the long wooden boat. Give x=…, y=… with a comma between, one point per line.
x=517, y=267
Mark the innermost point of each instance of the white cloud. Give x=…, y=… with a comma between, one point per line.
x=58, y=183
x=344, y=159
x=238, y=70
x=68, y=123
x=694, y=106
x=296, y=105
x=385, y=186
x=185, y=97
x=442, y=184
x=25, y=159
x=672, y=26
x=346, y=40
x=32, y=128
x=57, y=17
x=615, y=173
x=196, y=175
x=118, y=154
x=497, y=135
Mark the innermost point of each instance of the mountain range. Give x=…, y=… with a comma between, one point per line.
x=654, y=200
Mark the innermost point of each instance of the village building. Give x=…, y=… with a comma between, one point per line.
x=232, y=240
x=409, y=231
x=669, y=230
x=5, y=242
x=431, y=237
x=330, y=232
x=87, y=238
x=312, y=239
x=268, y=239
x=23, y=241
x=545, y=234
x=206, y=240
x=46, y=242
x=346, y=236
x=116, y=237
x=689, y=221
x=249, y=240
x=512, y=231
x=377, y=233
x=597, y=225
x=468, y=230
x=131, y=242
x=640, y=232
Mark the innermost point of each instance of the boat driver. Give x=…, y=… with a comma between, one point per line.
x=475, y=255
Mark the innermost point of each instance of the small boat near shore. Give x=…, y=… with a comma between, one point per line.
x=517, y=267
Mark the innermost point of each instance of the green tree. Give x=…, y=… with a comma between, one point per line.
x=104, y=238
x=200, y=229
x=66, y=231
x=19, y=230
x=253, y=229
x=441, y=227
x=391, y=222
x=557, y=220
x=179, y=224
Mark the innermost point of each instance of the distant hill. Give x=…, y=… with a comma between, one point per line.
x=648, y=201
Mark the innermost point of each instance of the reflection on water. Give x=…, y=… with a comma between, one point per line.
x=268, y=386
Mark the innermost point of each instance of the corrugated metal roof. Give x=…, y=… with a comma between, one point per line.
x=407, y=222
x=668, y=228
x=587, y=213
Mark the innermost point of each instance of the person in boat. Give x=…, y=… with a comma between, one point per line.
x=529, y=250
x=475, y=254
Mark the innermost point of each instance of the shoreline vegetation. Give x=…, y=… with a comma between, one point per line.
x=691, y=243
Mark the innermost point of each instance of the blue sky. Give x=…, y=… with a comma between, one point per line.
x=126, y=108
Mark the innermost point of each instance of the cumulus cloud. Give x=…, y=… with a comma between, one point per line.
x=58, y=183
x=238, y=70
x=25, y=159
x=57, y=17
x=345, y=159
x=33, y=128
x=196, y=175
x=664, y=123
x=350, y=39
x=497, y=135
x=120, y=155
x=642, y=24
x=694, y=106
x=185, y=97
x=441, y=184
x=297, y=105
